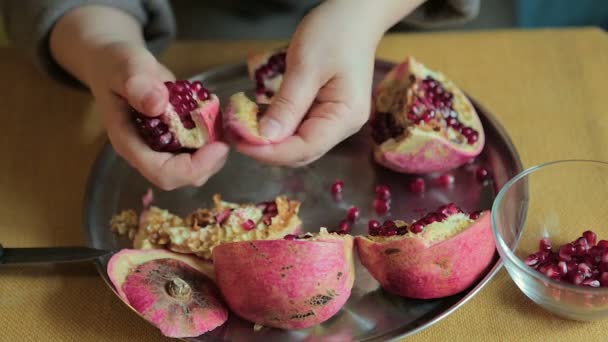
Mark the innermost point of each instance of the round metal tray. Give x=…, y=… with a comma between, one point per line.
x=370, y=314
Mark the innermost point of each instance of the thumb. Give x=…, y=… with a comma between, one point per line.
x=290, y=104
x=140, y=81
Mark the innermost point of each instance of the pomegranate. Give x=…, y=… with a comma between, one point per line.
x=422, y=122
x=204, y=229
x=439, y=255
x=290, y=283
x=189, y=121
x=581, y=262
x=171, y=291
x=267, y=70
x=242, y=118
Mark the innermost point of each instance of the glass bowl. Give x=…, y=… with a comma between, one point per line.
x=558, y=200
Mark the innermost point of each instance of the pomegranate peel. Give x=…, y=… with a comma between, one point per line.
x=290, y=283
x=204, y=229
x=191, y=119
x=422, y=122
x=171, y=291
x=428, y=260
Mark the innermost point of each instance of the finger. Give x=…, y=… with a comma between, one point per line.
x=291, y=103
x=139, y=79
x=327, y=125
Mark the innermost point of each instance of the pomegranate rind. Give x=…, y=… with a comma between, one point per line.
x=413, y=267
x=420, y=150
x=242, y=119
x=210, y=116
x=287, y=284
x=135, y=275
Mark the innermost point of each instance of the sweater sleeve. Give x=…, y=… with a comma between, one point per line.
x=438, y=13
x=29, y=24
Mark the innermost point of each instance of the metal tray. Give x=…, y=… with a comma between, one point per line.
x=370, y=314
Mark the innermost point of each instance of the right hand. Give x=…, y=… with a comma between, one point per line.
x=123, y=74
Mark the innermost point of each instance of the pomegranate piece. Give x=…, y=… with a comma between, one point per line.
x=190, y=120
x=174, y=292
x=422, y=122
x=242, y=120
x=436, y=256
x=417, y=185
x=266, y=70
x=287, y=284
x=353, y=214
x=579, y=262
x=383, y=192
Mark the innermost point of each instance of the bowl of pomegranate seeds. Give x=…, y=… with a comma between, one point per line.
x=550, y=224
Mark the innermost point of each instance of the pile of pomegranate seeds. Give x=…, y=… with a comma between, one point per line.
x=582, y=262
x=382, y=202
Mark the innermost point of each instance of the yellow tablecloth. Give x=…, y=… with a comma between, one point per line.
x=548, y=89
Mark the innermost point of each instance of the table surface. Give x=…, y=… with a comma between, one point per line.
x=546, y=87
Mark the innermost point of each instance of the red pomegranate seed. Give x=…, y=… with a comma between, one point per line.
x=603, y=267
x=604, y=257
x=381, y=206
x=353, y=214
x=449, y=209
x=563, y=267
x=290, y=237
x=418, y=185
x=337, y=187
x=373, y=227
x=267, y=220
x=344, y=227
x=430, y=218
x=416, y=227
x=542, y=256
x=482, y=174
x=576, y=278
x=545, y=244
x=475, y=215
x=552, y=271
x=221, y=217
x=585, y=269
x=445, y=180
x=565, y=252
x=248, y=225
x=604, y=279
x=603, y=244
x=591, y=283
x=532, y=260
x=383, y=192
x=572, y=266
x=591, y=237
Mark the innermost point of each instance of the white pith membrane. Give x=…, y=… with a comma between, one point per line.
x=432, y=233
x=245, y=112
x=396, y=96
x=201, y=231
x=191, y=137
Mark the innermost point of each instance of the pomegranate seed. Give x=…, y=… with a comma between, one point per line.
x=475, y=215
x=344, y=227
x=591, y=237
x=563, y=267
x=572, y=266
x=248, y=225
x=383, y=192
x=381, y=206
x=337, y=187
x=579, y=250
x=596, y=254
x=418, y=185
x=543, y=256
x=445, y=180
x=532, y=260
x=267, y=220
x=552, y=271
x=604, y=279
x=449, y=209
x=416, y=227
x=391, y=232
x=429, y=218
x=603, y=244
x=221, y=217
x=373, y=227
x=353, y=214
x=603, y=267
x=482, y=174
x=197, y=85
x=577, y=278
x=604, y=257
x=585, y=269
x=290, y=237
x=565, y=252
x=545, y=244
x=591, y=283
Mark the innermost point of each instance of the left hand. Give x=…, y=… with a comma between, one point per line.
x=326, y=91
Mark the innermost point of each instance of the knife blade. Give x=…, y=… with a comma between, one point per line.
x=49, y=254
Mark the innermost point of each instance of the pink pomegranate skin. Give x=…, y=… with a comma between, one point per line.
x=411, y=267
x=288, y=284
x=418, y=149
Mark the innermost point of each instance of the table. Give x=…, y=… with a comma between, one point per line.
x=547, y=87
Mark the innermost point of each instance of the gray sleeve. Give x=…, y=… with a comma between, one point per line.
x=29, y=23
x=437, y=13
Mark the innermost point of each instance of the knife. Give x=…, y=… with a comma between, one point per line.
x=49, y=254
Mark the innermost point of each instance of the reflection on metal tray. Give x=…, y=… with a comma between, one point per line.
x=370, y=314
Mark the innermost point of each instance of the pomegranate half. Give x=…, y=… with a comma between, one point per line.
x=291, y=283
x=204, y=229
x=422, y=122
x=171, y=291
x=439, y=255
x=189, y=121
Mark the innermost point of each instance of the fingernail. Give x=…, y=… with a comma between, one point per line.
x=151, y=102
x=270, y=128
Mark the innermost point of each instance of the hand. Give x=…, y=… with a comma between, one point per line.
x=131, y=74
x=104, y=48
x=326, y=90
